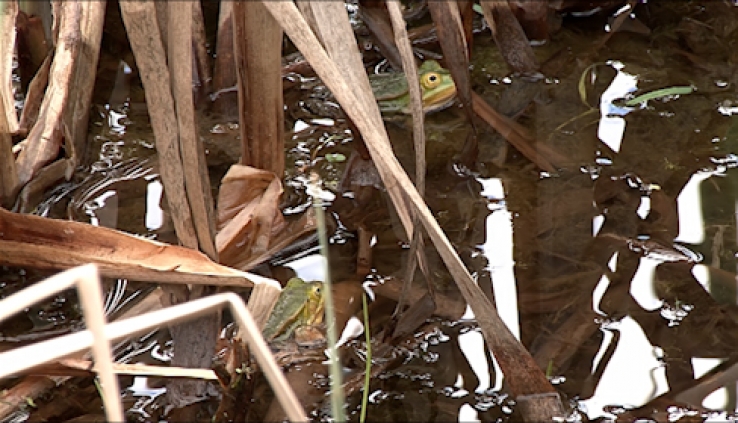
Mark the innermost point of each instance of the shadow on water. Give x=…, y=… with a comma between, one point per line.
x=617, y=273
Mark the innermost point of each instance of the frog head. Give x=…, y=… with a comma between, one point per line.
x=436, y=86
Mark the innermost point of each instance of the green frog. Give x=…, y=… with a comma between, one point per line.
x=299, y=305
x=437, y=88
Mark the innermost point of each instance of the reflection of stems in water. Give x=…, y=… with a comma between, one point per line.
x=368, y=369
x=574, y=119
x=582, y=86
x=337, y=396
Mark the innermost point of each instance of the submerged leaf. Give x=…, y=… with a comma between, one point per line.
x=663, y=92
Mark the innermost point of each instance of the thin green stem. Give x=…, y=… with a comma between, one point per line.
x=337, y=394
x=368, y=368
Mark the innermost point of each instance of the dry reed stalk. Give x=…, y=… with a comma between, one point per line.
x=509, y=36
x=447, y=19
x=258, y=47
x=141, y=24
x=34, y=97
x=27, y=242
x=203, y=76
x=196, y=180
x=8, y=13
x=171, y=113
x=8, y=172
x=224, y=74
x=83, y=82
x=45, y=138
x=411, y=73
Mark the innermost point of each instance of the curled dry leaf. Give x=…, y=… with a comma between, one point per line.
x=251, y=227
x=248, y=212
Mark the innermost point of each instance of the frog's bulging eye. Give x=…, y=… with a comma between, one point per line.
x=430, y=80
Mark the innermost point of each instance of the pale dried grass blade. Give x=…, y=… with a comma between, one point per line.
x=32, y=387
x=29, y=356
x=90, y=297
x=86, y=279
x=160, y=371
x=86, y=368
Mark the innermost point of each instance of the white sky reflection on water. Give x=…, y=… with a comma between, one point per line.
x=641, y=287
x=472, y=346
x=644, y=378
x=689, y=206
x=309, y=268
x=634, y=374
x=612, y=126
x=154, y=213
x=467, y=413
x=498, y=249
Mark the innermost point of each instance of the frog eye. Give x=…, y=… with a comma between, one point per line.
x=430, y=80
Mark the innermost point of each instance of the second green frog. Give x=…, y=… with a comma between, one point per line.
x=300, y=304
x=437, y=88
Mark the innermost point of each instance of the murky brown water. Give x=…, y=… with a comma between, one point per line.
x=618, y=273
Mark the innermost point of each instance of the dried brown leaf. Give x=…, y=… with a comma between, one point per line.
x=251, y=226
x=39, y=242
